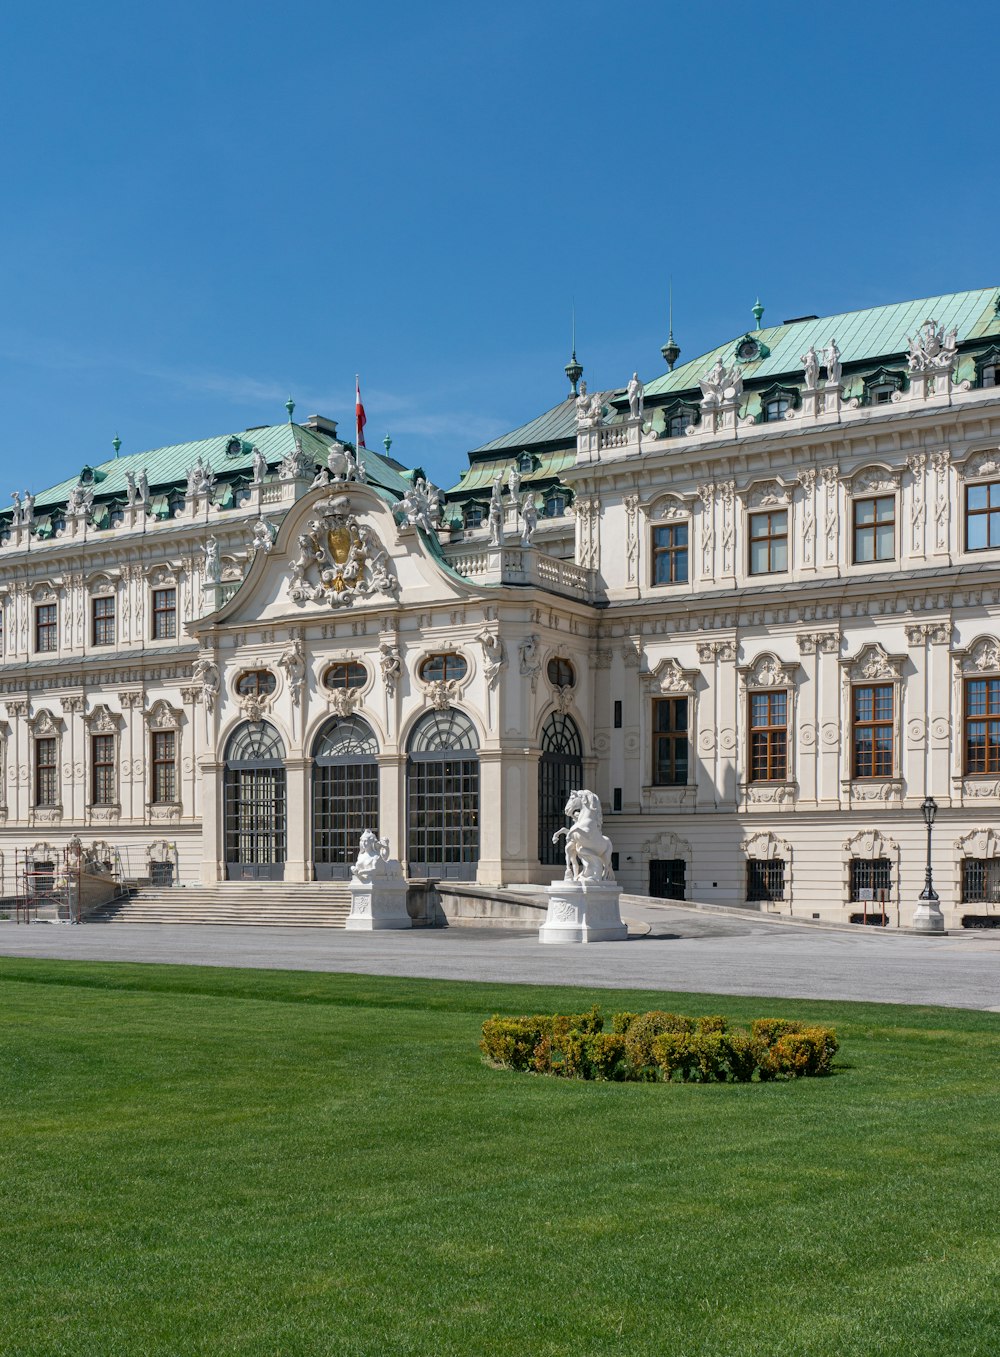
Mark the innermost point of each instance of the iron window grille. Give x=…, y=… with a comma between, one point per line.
x=345, y=793
x=870, y=878
x=442, y=800
x=667, y=878
x=765, y=880
x=980, y=881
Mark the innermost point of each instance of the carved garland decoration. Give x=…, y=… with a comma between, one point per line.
x=340, y=560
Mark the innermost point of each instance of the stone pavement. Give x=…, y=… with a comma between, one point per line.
x=669, y=948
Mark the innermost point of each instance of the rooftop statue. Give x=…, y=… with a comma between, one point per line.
x=416, y=506
x=582, y=406
x=28, y=512
x=435, y=505
x=15, y=517
x=529, y=518
x=834, y=367
x=932, y=349
x=636, y=392
x=514, y=482
x=496, y=514
x=721, y=384
x=131, y=490
x=588, y=849
x=810, y=362
x=259, y=466
x=81, y=499
x=213, y=562
x=143, y=487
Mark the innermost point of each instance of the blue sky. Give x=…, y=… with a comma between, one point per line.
x=211, y=206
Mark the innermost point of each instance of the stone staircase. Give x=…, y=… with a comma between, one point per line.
x=268, y=904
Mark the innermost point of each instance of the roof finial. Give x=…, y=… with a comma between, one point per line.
x=758, y=311
x=573, y=369
x=290, y=407
x=116, y=443
x=387, y=444
x=671, y=350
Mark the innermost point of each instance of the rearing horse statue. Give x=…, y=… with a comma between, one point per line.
x=588, y=850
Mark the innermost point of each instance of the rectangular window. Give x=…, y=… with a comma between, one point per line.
x=872, y=730
x=46, y=772
x=616, y=800
x=164, y=786
x=670, y=742
x=982, y=516
x=102, y=770
x=765, y=880
x=618, y=715
x=670, y=554
x=103, y=621
x=769, y=542
x=46, y=628
x=871, y=878
x=164, y=614
x=875, y=529
x=980, y=881
x=768, y=737
x=982, y=726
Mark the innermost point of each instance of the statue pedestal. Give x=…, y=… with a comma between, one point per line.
x=378, y=904
x=583, y=911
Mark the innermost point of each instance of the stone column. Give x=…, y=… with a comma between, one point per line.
x=492, y=815
x=520, y=815
x=213, y=863
x=392, y=802
x=298, y=854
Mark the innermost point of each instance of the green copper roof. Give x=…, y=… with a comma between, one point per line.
x=555, y=425
x=862, y=336
x=550, y=465
x=169, y=466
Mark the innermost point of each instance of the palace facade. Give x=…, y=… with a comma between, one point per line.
x=755, y=604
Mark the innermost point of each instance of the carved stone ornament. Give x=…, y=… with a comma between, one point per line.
x=766, y=494
x=297, y=465
x=885, y=790
x=874, y=664
x=45, y=724
x=982, y=464
x=340, y=560
x=343, y=700
x=443, y=693
x=768, y=672
x=979, y=791
x=391, y=666
x=205, y=673
x=875, y=480
x=161, y=716
x=670, y=679
x=982, y=657
x=563, y=699
x=102, y=721
x=293, y=662
x=978, y=843
x=766, y=846
x=870, y=843
x=667, y=508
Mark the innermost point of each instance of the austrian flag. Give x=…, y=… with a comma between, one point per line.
x=359, y=413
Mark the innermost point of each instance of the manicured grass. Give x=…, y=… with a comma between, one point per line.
x=214, y=1162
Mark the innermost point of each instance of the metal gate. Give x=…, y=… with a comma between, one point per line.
x=442, y=797
x=345, y=794
x=667, y=878
x=560, y=771
x=255, y=813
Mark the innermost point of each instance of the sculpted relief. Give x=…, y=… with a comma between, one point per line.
x=340, y=559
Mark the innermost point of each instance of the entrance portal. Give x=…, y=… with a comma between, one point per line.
x=345, y=794
x=255, y=815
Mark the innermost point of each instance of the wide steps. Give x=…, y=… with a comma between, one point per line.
x=263, y=905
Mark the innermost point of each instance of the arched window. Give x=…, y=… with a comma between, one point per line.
x=446, y=666
x=561, y=673
x=256, y=683
x=442, y=796
x=345, y=794
x=560, y=771
x=555, y=504
x=254, y=814
x=345, y=674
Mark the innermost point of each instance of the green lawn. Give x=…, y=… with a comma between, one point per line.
x=248, y=1162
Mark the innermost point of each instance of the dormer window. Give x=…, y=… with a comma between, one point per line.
x=881, y=394
x=473, y=515
x=989, y=375
x=525, y=463
x=116, y=516
x=775, y=403
x=678, y=418
x=775, y=409
x=555, y=504
x=881, y=386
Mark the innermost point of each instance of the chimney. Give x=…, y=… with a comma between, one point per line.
x=320, y=424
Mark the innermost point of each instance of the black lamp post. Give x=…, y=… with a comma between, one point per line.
x=927, y=917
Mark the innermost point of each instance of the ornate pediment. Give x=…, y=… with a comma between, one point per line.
x=982, y=464
x=766, y=846
x=340, y=559
x=666, y=509
x=766, y=495
x=875, y=480
x=873, y=664
x=978, y=843
x=982, y=657
x=44, y=723
x=769, y=672
x=162, y=716
x=870, y=843
x=103, y=721
x=670, y=679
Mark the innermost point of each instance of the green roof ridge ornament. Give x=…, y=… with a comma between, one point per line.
x=758, y=312
x=387, y=444
x=290, y=407
x=573, y=369
x=116, y=443
x=671, y=350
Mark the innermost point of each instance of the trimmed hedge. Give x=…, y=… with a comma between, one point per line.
x=658, y=1046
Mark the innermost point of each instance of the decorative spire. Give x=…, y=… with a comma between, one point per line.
x=671, y=350
x=116, y=443
x=387, y=444
x=290, y=407
x=573, y=369
x=758, y=312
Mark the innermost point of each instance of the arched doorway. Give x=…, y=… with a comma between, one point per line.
x=345, y=794
x=442, y=796
x=255, y=814
x=560, y=771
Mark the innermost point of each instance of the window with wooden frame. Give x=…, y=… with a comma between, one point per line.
x=875, y=529
x=561, y=673
x=872, y=730
x=102, y=770
x=102, y=620
x=670, y=553
x=981, y=742
x=46, y=628
x=163, y=766
x=769, y=736
x=47, y=771
x=164, y=614
x=982, y=516
x=445, y=666
x=256, y=683
x=768, y=542
x=345, y=674
x=670, y=741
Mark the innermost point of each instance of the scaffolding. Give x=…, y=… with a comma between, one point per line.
x=59, y=885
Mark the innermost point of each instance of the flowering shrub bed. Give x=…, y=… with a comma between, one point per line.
x=658, y=1046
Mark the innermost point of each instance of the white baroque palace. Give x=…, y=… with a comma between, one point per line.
x=754, y=603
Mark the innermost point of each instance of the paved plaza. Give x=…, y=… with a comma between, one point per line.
x=669, y=947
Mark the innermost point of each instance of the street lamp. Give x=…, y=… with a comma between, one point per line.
x=927, y=917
